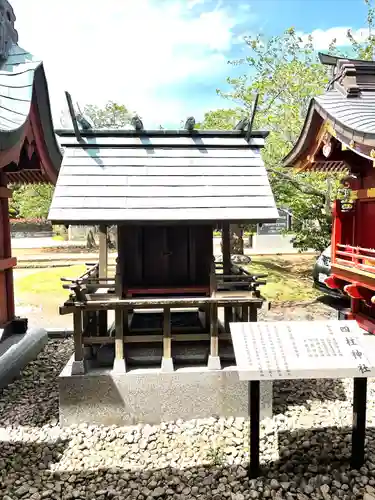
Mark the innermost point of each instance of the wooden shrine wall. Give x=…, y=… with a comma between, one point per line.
x=6, y=261
x=165, y=256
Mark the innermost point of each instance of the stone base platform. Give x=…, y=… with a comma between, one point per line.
x=148, y=395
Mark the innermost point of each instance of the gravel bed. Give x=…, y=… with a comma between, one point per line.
x=304, y=448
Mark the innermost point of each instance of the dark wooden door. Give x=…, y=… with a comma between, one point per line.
x=165, y=256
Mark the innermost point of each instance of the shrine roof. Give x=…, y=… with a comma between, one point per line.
x=162, y=175
x=25, y=113
x=347, y=106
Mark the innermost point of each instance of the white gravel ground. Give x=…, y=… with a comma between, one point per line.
x=305, y=448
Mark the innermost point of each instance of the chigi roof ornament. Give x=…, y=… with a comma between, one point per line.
x=350, y=76
x=8, y=34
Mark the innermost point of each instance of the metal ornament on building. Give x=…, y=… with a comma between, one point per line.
x=327, y=149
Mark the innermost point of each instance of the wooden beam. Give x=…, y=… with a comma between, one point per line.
x=119, y=363
x=8, y=263
x=5, y=192
x=227, y=266
x=167, y=345
x=225, y=235
x=214, y=333
x=252, y=118
x=78, y=367
x=73, y=116
x=146, y=339
x=167, y=361
x=103, y=252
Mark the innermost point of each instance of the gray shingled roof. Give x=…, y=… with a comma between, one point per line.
x=22, y=79
x=357, y=114
x=155, y=177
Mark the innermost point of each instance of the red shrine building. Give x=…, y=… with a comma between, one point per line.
x=29, y=152
x=339, y=136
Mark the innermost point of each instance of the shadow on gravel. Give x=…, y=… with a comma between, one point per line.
x=288, y=393
x=308, y=460
x=30, y=461
x=309, y=452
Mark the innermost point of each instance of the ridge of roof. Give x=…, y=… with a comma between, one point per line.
x=160, y=133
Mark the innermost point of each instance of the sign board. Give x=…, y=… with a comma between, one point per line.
x=302, y=349
x=282, y=223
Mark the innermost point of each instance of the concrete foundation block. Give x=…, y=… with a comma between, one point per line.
x=103, y=397
x=167, y=365
x=78, y=368
x=214, y=363
x=119, y=366
x=17, y=350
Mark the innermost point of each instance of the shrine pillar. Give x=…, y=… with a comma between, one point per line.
x=7, y=309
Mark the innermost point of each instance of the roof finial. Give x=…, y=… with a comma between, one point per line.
x=190, y=124
x=8, y=34
x=137, y=123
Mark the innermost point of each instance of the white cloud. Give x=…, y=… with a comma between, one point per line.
x=123, y=50
x=323, y=38
x=193, y=3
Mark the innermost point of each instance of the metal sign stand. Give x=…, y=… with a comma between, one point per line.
x=358, y=431
x=359, y=422
x=254, y=417
x=297, y=350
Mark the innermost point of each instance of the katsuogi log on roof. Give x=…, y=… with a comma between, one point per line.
x=161, y=175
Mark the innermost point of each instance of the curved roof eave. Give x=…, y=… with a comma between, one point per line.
x=25, y=99
x=302, y=142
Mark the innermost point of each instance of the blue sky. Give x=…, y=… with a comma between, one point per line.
x=162, y=58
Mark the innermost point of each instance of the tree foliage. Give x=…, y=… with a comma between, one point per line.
x=112, y=116
x=33, y=201
x=30, y=201
x=286, y=73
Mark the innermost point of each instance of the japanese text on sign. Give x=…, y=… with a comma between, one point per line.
x=300, y=349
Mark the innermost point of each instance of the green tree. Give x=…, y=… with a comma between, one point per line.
x=285, y=73
x=31, y=201
x=113, y=115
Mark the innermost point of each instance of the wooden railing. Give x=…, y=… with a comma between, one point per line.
x=354, y=257
x=93, y=297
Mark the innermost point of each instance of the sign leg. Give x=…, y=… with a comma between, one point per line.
x=359, y=422
x=254, y=415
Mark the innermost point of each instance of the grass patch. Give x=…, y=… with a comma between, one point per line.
x=58, y=237
x=44, y=286
x=288, y=278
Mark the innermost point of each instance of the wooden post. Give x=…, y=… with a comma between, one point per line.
x=102, y=323
x=214, y=358
x=225, y=236
x=103, y=251
x=119, y=365
x=167, y=361
x=213, y=290
x=227, y=267
x=253, y=316
x=245, y=314
x=78, y=366
x=7, y=309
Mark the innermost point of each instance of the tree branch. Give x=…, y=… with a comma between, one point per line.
x=304, y=188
